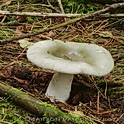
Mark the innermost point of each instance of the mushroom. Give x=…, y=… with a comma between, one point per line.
x=67, y=59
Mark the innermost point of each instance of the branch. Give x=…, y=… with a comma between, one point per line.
x=111, y=16
x=92, y=15
x=35, y=14
x=60, y=6
x=38, y=107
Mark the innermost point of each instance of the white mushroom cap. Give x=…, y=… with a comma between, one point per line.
x=71, y=57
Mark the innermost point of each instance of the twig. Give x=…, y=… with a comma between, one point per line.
x=98, y=88
x=5, y=122
x=106, y=89
x=60, y=6
x=92, y=15
x=52, y=7
x=106, y=112
x=114, y=23
x=35, y=14
x=111, y=16
x=122, y=116
x=98, y=103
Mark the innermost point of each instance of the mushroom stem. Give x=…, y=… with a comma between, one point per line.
x=60, y=86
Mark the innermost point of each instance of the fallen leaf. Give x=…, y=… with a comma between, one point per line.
x=25, y=43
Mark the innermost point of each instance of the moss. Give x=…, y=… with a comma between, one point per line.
x=49, y=112
x=5, y=33
x=79, y=40
x=11, y=113
x=53, y=114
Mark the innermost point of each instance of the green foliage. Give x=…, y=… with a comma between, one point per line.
x=119, y=90
x=112, y=20
x=73, y=6
x=63, y=33
x=6, y=33
x=79, y=40
x=31, y=1
x=57, y=116
x=80, y=6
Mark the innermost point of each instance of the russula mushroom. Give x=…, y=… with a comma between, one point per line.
x=67, y=59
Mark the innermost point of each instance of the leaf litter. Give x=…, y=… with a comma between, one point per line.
x=99, y=97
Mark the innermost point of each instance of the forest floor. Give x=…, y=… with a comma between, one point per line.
x=100, y=97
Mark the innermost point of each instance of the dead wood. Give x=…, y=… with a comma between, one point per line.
x=35, y=105
x=91, y=16
x=35, y=14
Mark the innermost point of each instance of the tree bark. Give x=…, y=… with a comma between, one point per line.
x=38, y=107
